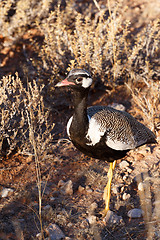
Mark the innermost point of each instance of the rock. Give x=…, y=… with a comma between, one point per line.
x=91, y=219
x=39, y=236
x=129, y=170
x=125, y=177
x=52, y=198
x=80, y=189
x=141, y=186
x=47, y=212
x=84, y=224
x=6, y=192
x=135, y=213
x=126, y=196
x=54, y=232
x=67, y=188
x=112, y=219
x=117, y=106
x=117, y=188
x=61, y=183
x=93, y=207
x=88, y=189
x=123, y=164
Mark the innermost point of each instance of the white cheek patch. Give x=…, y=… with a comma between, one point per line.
x=68, y=125
x=118, y=145
x=86, y=82
x=95, y=132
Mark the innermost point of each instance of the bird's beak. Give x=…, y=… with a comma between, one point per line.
x=65, y=82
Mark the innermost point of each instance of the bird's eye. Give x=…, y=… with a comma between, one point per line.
x=78, y=80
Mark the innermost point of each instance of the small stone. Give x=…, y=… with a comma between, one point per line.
x=118, y=106
x=47, y=212
x=61, y=183
x=67, y=188
x=125, y=177
x=116, y=188
x=84, y=224
x=52, y=198
x=123, y=164
x=126, y=196
x=80, y=189
x=6, y=192
x=141, y=186
x=88, y=189
x=54, y=232
x=135, y=213
x=93, y=206
x=138, y=157
x=91, y=219
x=70, y=224
x=122, y=189
x=112, y=219
x=129, y=170
x=39, y=236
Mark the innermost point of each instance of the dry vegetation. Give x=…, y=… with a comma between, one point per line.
x=52, y=38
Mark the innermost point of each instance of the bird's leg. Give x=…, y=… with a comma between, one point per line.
x=107, y=190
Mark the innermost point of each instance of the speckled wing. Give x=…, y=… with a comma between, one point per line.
x=121, y=130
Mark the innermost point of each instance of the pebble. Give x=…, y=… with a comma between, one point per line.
x=54, y=232
x=88, y=189
x=129, y=170
x=61, y=183
x=93, y=207
x=135, y=213
x=67, y=188
x=52, y=198
x=126, y=196
x=112, y=219
x=117, y=188
x=6, y=192
x=125, y=177
x=123, y=164
x=80, y=189
x=141, y=186
x=84, y=224
x=47, y=212
x=91, y=219
x=117, y=106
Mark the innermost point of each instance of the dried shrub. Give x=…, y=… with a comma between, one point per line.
x=17, y=16
x=24, y=120
x=104, y=44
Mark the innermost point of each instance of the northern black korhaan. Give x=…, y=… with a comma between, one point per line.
x=100, y=131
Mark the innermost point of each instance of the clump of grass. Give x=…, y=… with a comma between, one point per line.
x=26, y=123
x=103, y=45
x=21, y=109
x=18, y=16
x=147, y=102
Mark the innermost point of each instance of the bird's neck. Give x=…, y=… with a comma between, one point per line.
x=80, y=119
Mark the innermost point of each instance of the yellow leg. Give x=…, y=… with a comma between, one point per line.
x=107, y=190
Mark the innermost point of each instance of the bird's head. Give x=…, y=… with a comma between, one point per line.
x=77, y=79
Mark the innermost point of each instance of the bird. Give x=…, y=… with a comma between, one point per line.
x=101, y=132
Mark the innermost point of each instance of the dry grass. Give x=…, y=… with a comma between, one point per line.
x=25, y=123
x=103, y=45
x=147, y=100
x=150, y=200
x=18, y=15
